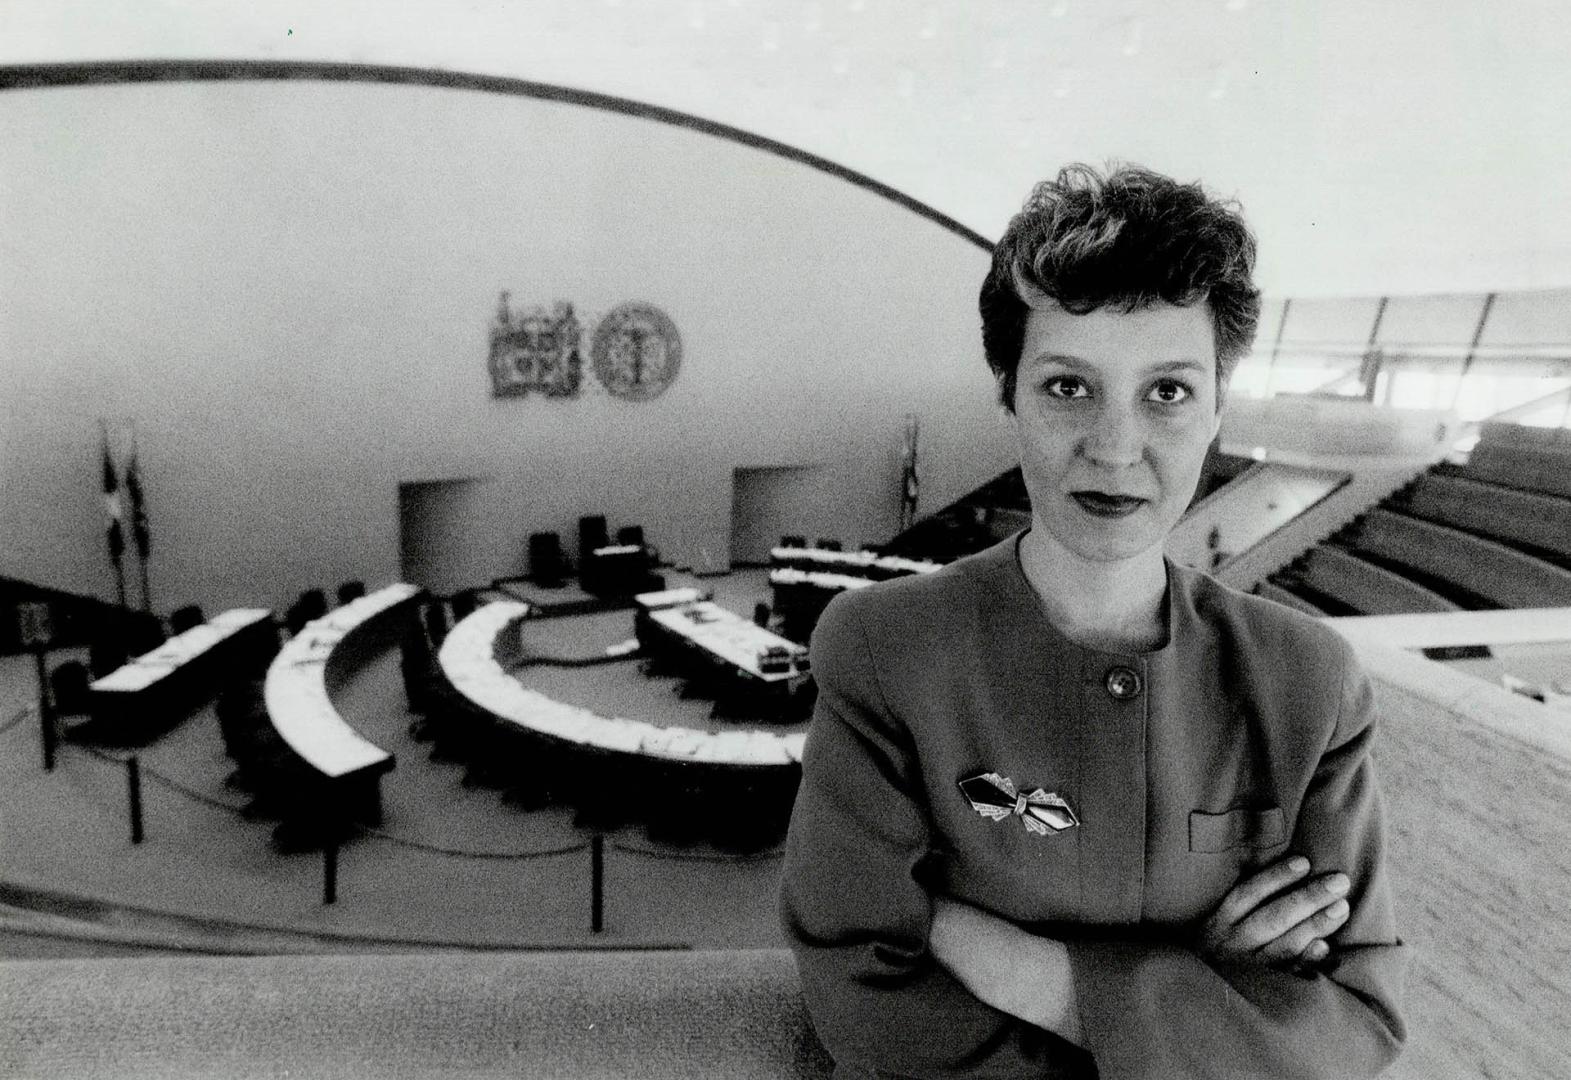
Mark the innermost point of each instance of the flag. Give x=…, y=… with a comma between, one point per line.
x=112, y=505
x=910, y=483
x=133, y=488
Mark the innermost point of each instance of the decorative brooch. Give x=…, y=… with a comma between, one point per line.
x=994, y=796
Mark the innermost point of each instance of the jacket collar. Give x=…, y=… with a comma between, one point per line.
x=1007, y=599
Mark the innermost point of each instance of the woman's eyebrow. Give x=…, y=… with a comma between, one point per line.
x=1061, y=358
x=1175, y=365
x=1162, y=367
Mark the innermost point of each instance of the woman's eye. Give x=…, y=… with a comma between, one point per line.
x=1066, y=386
x=1168, y=392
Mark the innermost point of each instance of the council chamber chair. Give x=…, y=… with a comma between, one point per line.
x=130, y=635
x=283, y=787
x=464, y=602
x=547, y=564
x=68, y=690
x=106, y=653
x=418, y=644
x=591, y=534
x=186, y=618
x=312, y=604
x=620, y=570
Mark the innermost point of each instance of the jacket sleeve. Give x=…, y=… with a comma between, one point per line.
x=1160, y=1010
x=853, y=904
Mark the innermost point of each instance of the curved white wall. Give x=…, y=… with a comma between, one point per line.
x=289, y=285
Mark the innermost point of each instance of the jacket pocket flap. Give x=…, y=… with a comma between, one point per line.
x=1239, y=827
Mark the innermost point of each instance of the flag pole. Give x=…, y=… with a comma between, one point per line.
x=147, y=596
x=909, y=480
x=139, y=529
x=116, y=535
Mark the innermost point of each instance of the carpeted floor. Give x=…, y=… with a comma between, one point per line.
x=1479, y=846
x=450, y=865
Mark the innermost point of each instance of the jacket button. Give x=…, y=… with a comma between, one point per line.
x=1123, y=683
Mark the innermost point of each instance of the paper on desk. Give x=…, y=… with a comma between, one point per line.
x=686, y=742
x=767, y=748
x=729, y=746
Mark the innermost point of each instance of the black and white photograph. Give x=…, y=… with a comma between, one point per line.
x=821, y=538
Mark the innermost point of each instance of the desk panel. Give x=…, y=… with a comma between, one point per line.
x=730, y=638
x=296, y=690
x=468, y=658
x=156, y=690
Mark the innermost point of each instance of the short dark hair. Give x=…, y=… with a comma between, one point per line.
x=1128, y=239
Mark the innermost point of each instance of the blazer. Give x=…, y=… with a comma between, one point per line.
x=1246, y=736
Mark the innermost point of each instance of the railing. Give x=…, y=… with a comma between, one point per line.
x=690, y=1014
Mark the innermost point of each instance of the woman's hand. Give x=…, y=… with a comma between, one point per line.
x=1275, y=917
x=1012, y=970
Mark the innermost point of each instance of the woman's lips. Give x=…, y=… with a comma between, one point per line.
x=1102, y=504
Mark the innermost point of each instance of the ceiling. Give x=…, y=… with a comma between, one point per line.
x=1400, y=147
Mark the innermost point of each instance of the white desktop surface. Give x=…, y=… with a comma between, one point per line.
x=296, y=688
x=686, y=594
x=734, y=639
x=468, y=658
x=145, y=670
x=829, y=560
x=823, y=579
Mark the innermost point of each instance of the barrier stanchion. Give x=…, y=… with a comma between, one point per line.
x=35, y=630
x=133, y=779
x=596, y=882
x=330, y=872
x=46, y=712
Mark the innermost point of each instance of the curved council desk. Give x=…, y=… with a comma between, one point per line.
x=468, y=659
x=318, y=660
x=801, y=596
x=817, y=579
x=806, y=579
x=587, y=759
x=159, y=688
x=859, y=563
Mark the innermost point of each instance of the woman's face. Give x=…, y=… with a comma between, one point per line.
x=1114, y=412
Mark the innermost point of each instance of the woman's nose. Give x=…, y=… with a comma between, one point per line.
x=1116, y=439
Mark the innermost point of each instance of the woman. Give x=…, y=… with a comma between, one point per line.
x=1069, y=809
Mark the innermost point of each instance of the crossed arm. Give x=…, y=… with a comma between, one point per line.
x=1273, y=918
x=900, y=980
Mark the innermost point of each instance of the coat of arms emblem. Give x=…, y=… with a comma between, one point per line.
x=535, y=350
x=637, y=351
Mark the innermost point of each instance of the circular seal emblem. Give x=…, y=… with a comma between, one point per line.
x=636, y=352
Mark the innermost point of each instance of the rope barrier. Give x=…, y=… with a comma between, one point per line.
x=700, y=856
x=378, y=834
x=20, y=716
x=421, y=845
x=157, y=777
x=570, y=661
x=192, y=793
x=371, y=832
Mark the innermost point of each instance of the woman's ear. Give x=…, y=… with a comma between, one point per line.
x=1001, y=386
